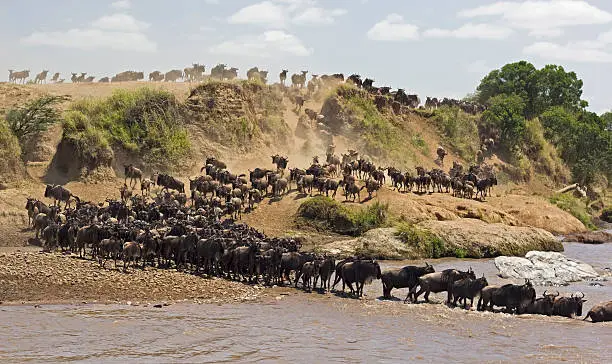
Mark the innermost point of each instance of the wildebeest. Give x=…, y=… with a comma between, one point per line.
x=299, y=103
x=131, y=253
x=325, y=271
x=41, y=77
x=360, y=272
x=310, y=272
x=283, y=76
x=438, y=282
x=600, y=312
x=568, y=306
x=133, y=173
x=60, y=193
x=542, y=305
x=511, y=296
x=406, y=277
x=467, y=288
x=168, y=182
x=299, y=80
x=173, y=75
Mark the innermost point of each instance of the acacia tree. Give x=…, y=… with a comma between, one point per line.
x=34, y=117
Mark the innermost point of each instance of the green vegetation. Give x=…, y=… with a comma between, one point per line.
x=11, y=164
x=518, y=93
x=382, y=135
x=146, y=123
x=419, y=143
x=325, y=213
x=574, y=206
x=427, y=243
x=34, y=116
x=379, y=134
x=459, y=130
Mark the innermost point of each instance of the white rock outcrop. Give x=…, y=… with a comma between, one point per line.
x=545, y=268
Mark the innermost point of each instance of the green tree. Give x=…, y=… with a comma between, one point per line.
x=539, y=89
x=505, y=113
x=34, y=117
x=519, y=78
x=555, y=87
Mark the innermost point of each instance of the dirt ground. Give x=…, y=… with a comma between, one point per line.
x=27, y=275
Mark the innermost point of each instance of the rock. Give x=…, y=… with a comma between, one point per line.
x=158, y=306
x=470, y=237
x=545, y=268
x=590, y=237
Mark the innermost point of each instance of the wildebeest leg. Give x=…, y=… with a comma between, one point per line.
x=298, y=274
x=350, y=285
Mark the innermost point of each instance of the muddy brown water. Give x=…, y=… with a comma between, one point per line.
x=303, y=327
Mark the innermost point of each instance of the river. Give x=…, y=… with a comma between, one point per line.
x=292, y=326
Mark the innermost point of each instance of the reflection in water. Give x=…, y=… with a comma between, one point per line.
x=307, y=328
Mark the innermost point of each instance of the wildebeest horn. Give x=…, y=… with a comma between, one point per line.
x=582, y=295
x=544, y=294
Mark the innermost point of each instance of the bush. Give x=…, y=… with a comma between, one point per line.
x=574, y=206
x=325, y=213
x=11, y=165
x=459, y=130
x=147, y=123
x=34, y=117
x=426, y=242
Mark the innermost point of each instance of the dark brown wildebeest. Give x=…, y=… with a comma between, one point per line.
x=568, y=306
x=542, y=305
x=325, y=272
x=299, y=103
x=310, y=272
x=60, y=193
x=466, y=288
x=438, y=282
x=168, y=182
x=511, y=296
x=283, y=77
x=601, y=312
x=406, y=277
x=360, y=272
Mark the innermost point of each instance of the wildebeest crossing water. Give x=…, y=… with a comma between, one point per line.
x=302, y=326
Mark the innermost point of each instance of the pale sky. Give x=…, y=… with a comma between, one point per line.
x=432, y=48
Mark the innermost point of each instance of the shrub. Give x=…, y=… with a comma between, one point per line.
x=426, y=242
x=325, y=213
x=459, y=130
x=145, y=122
x=574, y=206
x=34, y=116
x=11, y=165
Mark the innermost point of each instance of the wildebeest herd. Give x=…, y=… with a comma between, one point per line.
x=166, y=233
x=196, y=73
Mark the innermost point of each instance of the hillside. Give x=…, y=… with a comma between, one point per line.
x=243, y=123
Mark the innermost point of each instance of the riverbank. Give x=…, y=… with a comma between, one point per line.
x=35, y=277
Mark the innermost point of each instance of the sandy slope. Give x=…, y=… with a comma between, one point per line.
x=512, y=205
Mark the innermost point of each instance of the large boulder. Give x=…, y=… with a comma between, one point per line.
x=545, y=268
